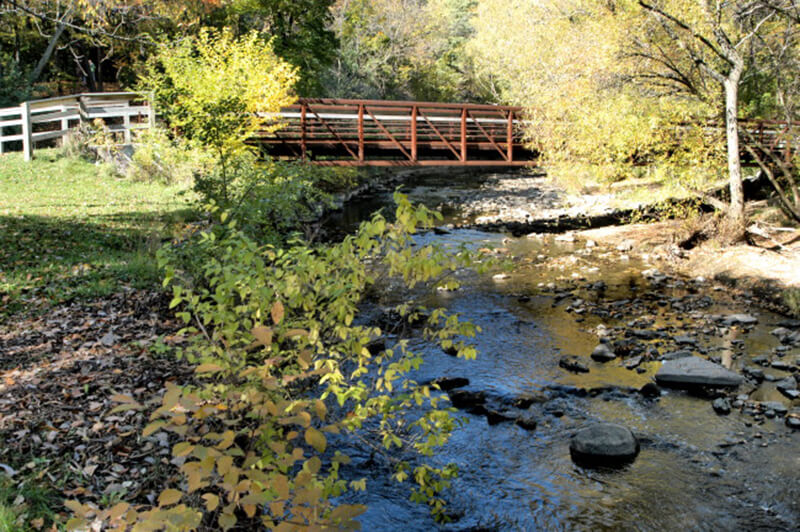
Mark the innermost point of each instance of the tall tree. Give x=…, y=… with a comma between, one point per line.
x=300, y=32
x=713, y=35
x=614, y=83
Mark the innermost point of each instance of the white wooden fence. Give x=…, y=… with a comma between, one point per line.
x=40, y=120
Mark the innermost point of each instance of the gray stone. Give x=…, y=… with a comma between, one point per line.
x=740, y=319
x=526, y=421
x=780, y=364
x=495, y=417
x=793, y=421
x=675, y=355
x=791, y=394
x=694, y=371
x=757, y=374
x=781, y=332
x=685, y=340
x=786, y=384
x=650, y=390
x=603, y=444
x=573, y=364
x=633, y=363
x=721, y=406
x=451, y=383
x=603, y=353
x=644, y=334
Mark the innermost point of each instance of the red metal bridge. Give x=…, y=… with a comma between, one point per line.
x=405, y=133
x=397, y=133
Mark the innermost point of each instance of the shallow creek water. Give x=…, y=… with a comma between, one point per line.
x=696, y=470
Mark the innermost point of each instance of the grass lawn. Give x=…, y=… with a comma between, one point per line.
x=69, y=229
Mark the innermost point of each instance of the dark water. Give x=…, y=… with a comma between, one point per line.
x=686, y=476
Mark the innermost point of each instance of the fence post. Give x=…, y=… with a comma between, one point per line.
x=27, y=133
x=151, y=114
x=126, y=123
x=64, y=124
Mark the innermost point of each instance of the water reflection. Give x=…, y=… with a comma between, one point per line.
x=696, y=471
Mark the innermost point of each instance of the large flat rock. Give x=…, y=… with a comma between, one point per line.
x=695, y=371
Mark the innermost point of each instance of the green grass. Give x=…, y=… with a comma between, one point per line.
x=24, y=504
x=70, y=229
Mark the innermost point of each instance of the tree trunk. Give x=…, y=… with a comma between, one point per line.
x=736, y=208
x=51, y=46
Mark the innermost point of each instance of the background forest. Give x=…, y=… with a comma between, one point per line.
x=608, y=84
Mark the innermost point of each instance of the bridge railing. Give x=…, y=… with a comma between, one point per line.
x=771, y=138
x=37, y=121
x=354, y=132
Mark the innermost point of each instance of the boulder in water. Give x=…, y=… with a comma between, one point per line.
x=650, y=390
x=604, y=444
x=450, y=383
x=721, y=406
x=695, y=371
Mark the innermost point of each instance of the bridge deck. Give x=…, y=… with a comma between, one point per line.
x=389, y=133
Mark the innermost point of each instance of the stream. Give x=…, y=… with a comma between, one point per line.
x=697, y=470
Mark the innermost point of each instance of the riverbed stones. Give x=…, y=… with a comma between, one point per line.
x=695, y=371
x=603, y=353
x=603, y=444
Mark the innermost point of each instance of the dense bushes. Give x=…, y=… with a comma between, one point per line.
x=281, y=368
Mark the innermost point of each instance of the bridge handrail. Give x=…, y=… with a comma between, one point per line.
x=405, y=104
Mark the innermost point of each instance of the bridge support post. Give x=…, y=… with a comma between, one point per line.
x=303, y=131
x=414, y=133
x=463, y=134
x=361, y=132
x=510, y=136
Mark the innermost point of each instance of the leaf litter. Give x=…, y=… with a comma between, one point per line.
x=62, y=377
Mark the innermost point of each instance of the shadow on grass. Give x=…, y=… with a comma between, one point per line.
x=48, y=260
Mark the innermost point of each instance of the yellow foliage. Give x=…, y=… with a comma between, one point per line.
x=216, y=87
x=574, y=66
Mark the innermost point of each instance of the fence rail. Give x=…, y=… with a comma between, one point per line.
x=52, y=118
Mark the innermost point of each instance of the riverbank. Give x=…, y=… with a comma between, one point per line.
x=528, y=203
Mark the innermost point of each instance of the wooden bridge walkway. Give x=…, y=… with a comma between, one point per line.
x=398, y=133
x=356, y=132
